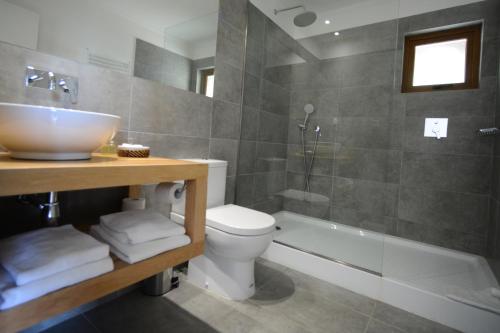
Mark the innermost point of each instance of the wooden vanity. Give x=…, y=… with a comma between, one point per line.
x=28, y=177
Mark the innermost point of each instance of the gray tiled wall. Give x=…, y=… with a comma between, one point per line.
x=174, y=122
x=262, y=153
x=373, y=163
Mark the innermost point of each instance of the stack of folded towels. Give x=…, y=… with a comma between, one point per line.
x=136, y=235
x=44, y=260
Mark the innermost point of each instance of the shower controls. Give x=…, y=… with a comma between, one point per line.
x=436, y=127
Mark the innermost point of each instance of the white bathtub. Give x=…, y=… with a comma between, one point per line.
x=410, y=275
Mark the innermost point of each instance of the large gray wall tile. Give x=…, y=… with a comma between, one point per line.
x=370, y=69
x=369, y=164
x=226, y=150
x=226, y=120
x=228, y=82
x=445, y=210
x=247, y=157
x=467, y=103
x=230, y=44
x=464, y=173
x=378, y=199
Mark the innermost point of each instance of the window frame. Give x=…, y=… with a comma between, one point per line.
x=472, y=33
x=204, y=74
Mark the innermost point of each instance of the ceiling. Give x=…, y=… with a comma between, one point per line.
x=345, y=14
x=156, y=15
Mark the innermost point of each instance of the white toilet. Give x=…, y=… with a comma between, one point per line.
x=235, y=237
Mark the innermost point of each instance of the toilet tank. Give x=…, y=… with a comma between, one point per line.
x=216, y=187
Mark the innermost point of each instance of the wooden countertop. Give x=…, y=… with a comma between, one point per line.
x=29, y=176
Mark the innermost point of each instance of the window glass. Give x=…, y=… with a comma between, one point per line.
x=209, y=90
x=440, y=63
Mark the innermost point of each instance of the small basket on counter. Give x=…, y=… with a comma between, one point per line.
x=128, y=150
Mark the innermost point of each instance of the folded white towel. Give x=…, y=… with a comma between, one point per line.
x=134, y=253
x=483, y=299
x=12, y=295
x=138, y=226
x=34, y=255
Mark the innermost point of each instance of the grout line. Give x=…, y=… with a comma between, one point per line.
x=367, y=324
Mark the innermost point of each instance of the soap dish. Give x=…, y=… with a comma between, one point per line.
x=128, y=150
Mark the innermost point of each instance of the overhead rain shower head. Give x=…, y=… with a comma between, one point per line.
x=305, y=19
x=301, y=20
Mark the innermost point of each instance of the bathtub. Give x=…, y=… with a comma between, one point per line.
x=413, y=276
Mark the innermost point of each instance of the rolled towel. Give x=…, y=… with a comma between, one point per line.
x=44, y=252
x=12, y=295
x=139, y=226
x=134, y=253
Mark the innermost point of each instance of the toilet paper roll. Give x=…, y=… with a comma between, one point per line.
x=133, y=204
x=169, y=193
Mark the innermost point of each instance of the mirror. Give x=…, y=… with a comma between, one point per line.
x=168, y=41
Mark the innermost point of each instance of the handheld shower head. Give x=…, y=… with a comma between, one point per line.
x=308, y=109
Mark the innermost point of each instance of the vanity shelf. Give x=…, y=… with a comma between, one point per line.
x=27, y=177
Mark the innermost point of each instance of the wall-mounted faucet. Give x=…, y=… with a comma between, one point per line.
x=37, y=78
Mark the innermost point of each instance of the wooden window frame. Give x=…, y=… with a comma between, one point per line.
x=204, y=74
x=471, y=33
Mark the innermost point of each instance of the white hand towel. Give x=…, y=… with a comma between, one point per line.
x=12, y=295
x=34, y=255
x=134, y=253
x=138, y=226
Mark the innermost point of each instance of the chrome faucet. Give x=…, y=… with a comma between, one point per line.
x=36, y=78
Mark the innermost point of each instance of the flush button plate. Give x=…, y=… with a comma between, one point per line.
x=436, y=128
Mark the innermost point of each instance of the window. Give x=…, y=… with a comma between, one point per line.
x=442, y=60
x=207, y=82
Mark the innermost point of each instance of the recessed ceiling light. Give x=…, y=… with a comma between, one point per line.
x=336, y=33
x=327, y=22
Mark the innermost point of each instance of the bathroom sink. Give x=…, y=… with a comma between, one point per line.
x=47, y=133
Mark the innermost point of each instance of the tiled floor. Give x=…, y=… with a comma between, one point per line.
x=286, y=301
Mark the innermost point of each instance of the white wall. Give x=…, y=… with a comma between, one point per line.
x=18, y=26
x=69, y=27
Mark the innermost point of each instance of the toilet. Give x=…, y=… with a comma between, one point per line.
x=235, y=237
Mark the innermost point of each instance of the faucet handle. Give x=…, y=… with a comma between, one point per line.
x=32, y=75
x=64, y=86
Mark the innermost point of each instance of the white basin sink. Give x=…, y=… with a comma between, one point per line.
x=46, y=133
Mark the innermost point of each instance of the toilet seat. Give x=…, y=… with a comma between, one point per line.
x=239, y=220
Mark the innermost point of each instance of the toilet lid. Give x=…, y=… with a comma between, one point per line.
x=239, y=220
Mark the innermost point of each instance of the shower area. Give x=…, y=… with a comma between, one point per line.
x=336, y=153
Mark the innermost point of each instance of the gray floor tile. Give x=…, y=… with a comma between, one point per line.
x=313, y=311
x=330, y=292
x=375, y=326
x=237, y=322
